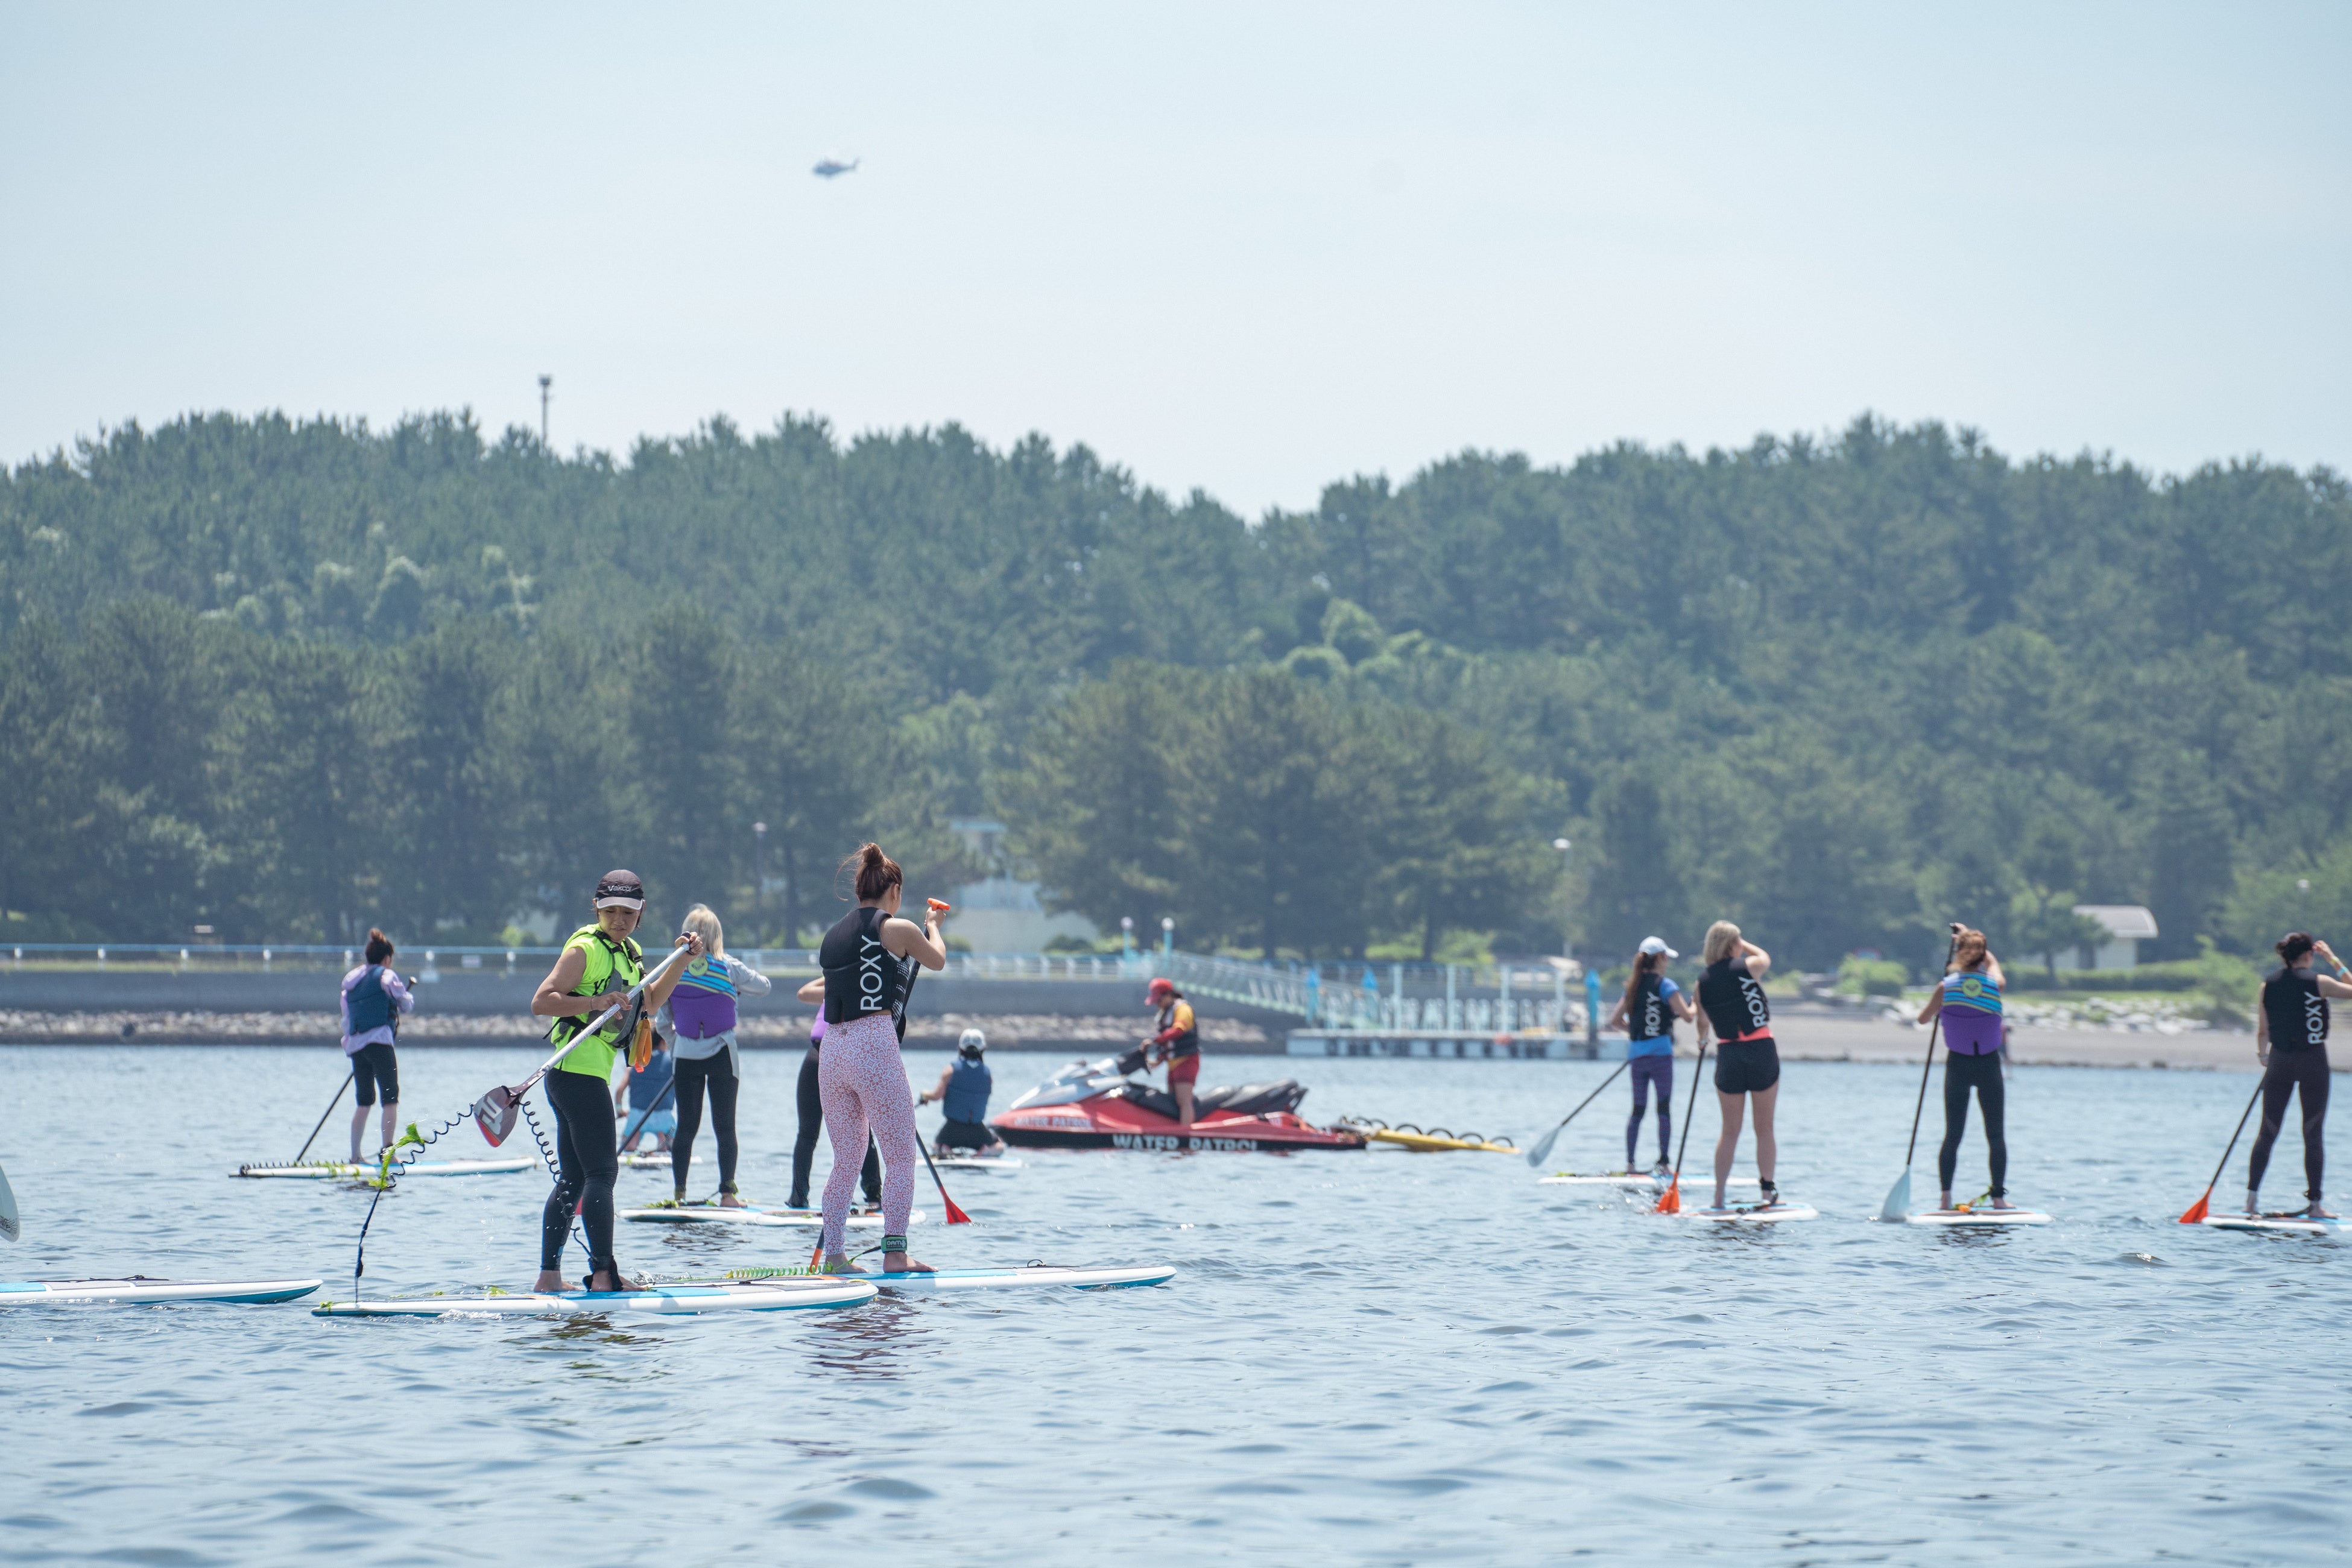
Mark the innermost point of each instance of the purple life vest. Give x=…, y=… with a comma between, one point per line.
x=703, y=1005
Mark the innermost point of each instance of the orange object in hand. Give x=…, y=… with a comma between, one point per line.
x=938, y=906
x=641, y=1048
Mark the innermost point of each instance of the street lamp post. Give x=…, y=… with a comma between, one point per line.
x=1567, y=942
x=545, y=382
x=2303, y=886
x=1127, y=937
x=1168, y=938
x=760, y=882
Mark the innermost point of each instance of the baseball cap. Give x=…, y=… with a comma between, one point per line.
x=1658, y=944
x=621, y=887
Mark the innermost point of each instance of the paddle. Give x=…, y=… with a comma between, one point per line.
x=1542, y=1151
x=955, y=1216
x=496, y=1111
x=2198, y=1210
x=646, y=1114
x=9, y=1225
x=1897, y=1207
x=324, y=1114
x=1671, y=1200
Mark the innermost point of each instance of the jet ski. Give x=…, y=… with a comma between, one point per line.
x=1096, y=1105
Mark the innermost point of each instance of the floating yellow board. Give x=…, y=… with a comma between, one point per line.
x=1429, y=1143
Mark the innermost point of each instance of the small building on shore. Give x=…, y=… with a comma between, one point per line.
x=2126, y=925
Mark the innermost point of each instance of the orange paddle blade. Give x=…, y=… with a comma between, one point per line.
x=1671, y=1200
x=2197, y=1211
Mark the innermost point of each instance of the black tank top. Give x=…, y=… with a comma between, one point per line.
x=2296, y=1010
x=861, y=975
x=1734, y=1001
x=1649, y=1017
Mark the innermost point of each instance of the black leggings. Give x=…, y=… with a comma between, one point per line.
x=2306, y=1068
x=1981, y=1073
x=719, y=1072
x=589, y=1159
x=804, y=1143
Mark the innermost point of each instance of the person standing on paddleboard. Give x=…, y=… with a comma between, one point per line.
x=1647, y=1013
x=374, y=999
x=1731, y=1001
x=866, y=958
x=2291, y=1042
x=963, y=1089
x=701, y=1019
x=598, y=961
x=1969, y=999
x=1178, y=1044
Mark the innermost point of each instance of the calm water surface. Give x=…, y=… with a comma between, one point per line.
x=1367, y=1358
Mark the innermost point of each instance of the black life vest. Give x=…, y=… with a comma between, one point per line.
x=372, y=1006
x=862, y=977
x=1734, y=1001
x=2296, y=1010
x=1649, y=1017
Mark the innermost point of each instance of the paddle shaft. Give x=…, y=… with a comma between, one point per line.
x=646, y=1114
x=2233, y=1142
x=329, y=1111
x=628, y=997
x=906, y=993
x=1594, y=1095
x=1689, y=1112
x=1926, y=1067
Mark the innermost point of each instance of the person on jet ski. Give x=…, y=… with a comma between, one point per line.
x=965, y=1084
x=1178, y=1044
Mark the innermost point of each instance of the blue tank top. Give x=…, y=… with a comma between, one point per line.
x=647, y=1083
x=967, y=1087
x=1972, y=988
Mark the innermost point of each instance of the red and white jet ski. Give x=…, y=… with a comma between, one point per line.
x=1096, y=1105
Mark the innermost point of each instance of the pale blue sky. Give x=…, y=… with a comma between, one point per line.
x=1246, y=247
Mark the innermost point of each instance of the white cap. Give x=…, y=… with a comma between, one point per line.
x=1658, y=944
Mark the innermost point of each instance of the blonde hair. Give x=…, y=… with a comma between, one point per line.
x=1722, y=942
x=1969, y=949
x=703, y=923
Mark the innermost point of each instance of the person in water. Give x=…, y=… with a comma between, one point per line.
x=1178, y=1044
x=964, y=1087
x=648, y=1108
x=374, y=999
x=1748, y=1064
x=811, y=1104
x=1968, y=1001
x=598, y=963
x=700, y=1017
x=1647, y=1013
x=867, y=959
x=2291, y=1042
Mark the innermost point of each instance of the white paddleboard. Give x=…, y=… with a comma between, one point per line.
x=138, y=1287
x=711, y=1213
x=321, y=1171
x=662, y=1300
x=976, y=1163
x=946, y=1279
x=1979, y=1219
x=2291, y=1224
x=1759, y=1215
x=647, y=1160
x=1630, y=1179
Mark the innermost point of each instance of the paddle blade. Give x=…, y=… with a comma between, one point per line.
x=9, y=1225
x=955, y=1215
x=1671, y=1200
x=1542, y=1151
x=495, y=1114
x=1897, y=1207
x=2198, y=1210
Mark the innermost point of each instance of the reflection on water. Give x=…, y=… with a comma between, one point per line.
x=1367, y=1358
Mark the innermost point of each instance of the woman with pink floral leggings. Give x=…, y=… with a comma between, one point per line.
x=866, y=958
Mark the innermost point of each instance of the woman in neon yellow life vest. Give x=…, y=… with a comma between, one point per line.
x=598, y=962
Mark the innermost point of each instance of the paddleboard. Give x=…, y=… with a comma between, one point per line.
x=662, y=1300
x=2289, y=1223
x=1629, y=1179
x=1759, y=1214
x=1434, y=1143
x=366, y=1169
x=975, y=1163
x=750, y=1214
x=1981, y=1219
x=139, y=1287
x=1036, y=1273
x=649, y=1160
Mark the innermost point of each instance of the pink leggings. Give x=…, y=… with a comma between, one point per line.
x=863, y=1083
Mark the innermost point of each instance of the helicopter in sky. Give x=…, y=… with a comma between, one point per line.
x=828, y=166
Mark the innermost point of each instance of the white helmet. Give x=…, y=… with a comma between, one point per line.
x=972, y=1042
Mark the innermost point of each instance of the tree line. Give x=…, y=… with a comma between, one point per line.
x=1840, y=690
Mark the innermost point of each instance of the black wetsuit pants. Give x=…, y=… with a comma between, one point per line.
x=1981, y=1073
x=719, y=1072
x=2307, y=1069
x=812, y=1110
x=588, y=1159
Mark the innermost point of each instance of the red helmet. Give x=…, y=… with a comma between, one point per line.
x=1160, y=989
